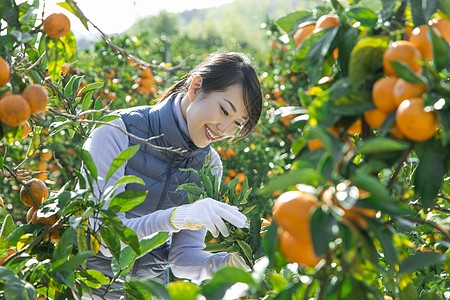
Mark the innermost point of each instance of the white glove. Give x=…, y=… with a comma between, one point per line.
x=237, y=261
x=208, y=213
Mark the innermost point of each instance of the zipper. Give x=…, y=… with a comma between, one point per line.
x=166, y=183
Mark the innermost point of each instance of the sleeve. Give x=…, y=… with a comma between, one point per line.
x=188, y=260
x=104, y=144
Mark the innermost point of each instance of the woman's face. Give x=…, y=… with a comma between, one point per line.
x=215, y=116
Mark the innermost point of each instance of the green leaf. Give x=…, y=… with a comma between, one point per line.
x=148, y=288
x=385, y=238
x=380, y=145
x=429, y=173
x=111, y=240
x=321, y=230
x=128, y=179
x=404, y=72
x=215, y=247
x=179, y=290
x=417, y=12
x=364, y=15
x=75, y=11
x=287, y=22
x=7, y=226
x=88, y=161
x=420, y=260
x=70, y=44
x=445, y=4
x=191, y=188
x=120, y=159
x=91, y=86
x=93, y=278
x=290, y=178
x=56, y=55
x=17, y=289
x=223, y=279
x=151, y=242
x=441, y=51
x=73, y=262
x=98, y=105
x=371, y=184
x=365, y=59
x=127, y=200
x=64, y=248
x=246, y=249
x=127, y=235
x=86, y=102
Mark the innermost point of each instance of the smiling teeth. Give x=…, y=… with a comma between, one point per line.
x=211, y=134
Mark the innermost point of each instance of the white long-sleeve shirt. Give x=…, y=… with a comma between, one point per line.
x=186, y=257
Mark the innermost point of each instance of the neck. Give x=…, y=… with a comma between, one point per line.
x=184, y=103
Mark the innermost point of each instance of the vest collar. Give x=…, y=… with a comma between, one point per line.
x=172, y=135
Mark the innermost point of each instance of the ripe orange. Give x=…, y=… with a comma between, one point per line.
x=419, y=38
x=382, y=94
x=147, y=82
x=56, y=25
x=110, y=74
x=14, y=110
x=414, y=122
x=327, y=21
x=375, y=118
x=297, y=250
x=405, y=90
x=26, y=129
x=146, y=73
x=402, y=51
x=241, y=177
x=302, y=33
x=5, y=72
x=314, y=144
x=441, y=27
x=355, y=128
x=42, y=176
x=232, y=173
x=46, y=155
x=37, y=188
x=396, y=132
x=31, y=213
x=36, y=96
x=41, y=166
x=292, y=211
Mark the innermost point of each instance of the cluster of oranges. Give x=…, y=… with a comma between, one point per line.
x=42, y=165
x=15, y=109
x=233, y=174
x=391, y=93
x=146, y=82
x=292, y=213
x=226, y=153
x=33, y=194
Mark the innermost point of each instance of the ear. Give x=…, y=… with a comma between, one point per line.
x=195, y=87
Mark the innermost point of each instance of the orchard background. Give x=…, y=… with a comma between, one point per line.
x=350, y=158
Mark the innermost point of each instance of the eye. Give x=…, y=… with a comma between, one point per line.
x=238, y=124
x=224, y=110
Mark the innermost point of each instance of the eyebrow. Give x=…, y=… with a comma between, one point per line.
x=233, y=107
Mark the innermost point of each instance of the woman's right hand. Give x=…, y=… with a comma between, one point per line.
x=208, y=213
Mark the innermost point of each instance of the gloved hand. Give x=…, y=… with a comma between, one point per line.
x=208, y=213
x=237, y=261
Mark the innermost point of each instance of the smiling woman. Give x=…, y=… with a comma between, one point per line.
x=220, y=98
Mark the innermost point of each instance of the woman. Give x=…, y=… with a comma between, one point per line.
x=219, y=99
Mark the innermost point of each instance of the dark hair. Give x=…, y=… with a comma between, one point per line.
x=221, y=70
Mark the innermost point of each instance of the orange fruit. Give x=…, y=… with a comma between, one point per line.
x=241, y=177
x=302, y=33
x=2, y=203
x=441, y=27
x=9, y=252
x=297, y=250
x=37, y=188
x=232, y=173
x=414, y=122
x=419, y=38
x=5, y=72
x=396, y=132
x=238, y=188
x=41, y=166
x=110, y=74
x=26, y=129
x=405, y=90
x=14, y=110
x=327, y=21
x=382, y=94
x=386, y=297
x=147, y=82
x=46, y=155
x=146, y=73
x=36, y=96
x=375, y=118
x=42, y=176
x=314, y=144
x=56, y=25
x=292, y=211
x=402, y=51
x=355, y=128
x=31, y=213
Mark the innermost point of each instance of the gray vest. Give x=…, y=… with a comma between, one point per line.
x=160, y=173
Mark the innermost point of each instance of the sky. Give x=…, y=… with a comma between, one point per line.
x=116, y=16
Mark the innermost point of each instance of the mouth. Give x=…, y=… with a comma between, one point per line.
x=210, y=135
